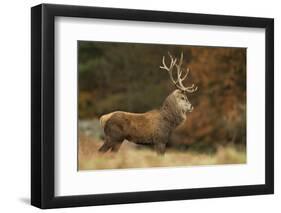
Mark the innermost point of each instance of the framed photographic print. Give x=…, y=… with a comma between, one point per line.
x=139, y=106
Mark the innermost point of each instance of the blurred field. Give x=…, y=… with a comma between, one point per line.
x=129, y=157
x=135, y=156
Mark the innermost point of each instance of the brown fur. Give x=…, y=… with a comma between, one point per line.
x=153, y=127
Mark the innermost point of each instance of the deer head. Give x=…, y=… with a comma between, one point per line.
x=177, y=101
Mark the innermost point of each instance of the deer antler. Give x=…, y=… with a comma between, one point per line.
x=178, y=83
x=170, y=68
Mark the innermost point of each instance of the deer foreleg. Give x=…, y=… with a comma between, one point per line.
x=160, y=148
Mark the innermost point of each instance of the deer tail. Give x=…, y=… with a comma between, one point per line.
x=104, y=119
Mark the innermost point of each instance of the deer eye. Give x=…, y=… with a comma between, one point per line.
x=182, y=98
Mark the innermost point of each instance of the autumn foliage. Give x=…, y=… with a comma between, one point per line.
x=124, y=76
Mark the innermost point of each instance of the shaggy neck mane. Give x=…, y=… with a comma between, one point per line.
x=170, y=112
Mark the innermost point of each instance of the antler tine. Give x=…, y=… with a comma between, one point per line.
x=163, y=62
x=181, y=59
x=179, y=71
x=173, y=60
x=171, y=57
x=190, y=89
x=170, y=68
x=186, y=74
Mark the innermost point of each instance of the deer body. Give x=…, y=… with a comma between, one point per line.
x=153, y=127
x=135, y=127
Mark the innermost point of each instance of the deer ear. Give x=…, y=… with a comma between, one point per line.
x=176, y=91
x=182, y=92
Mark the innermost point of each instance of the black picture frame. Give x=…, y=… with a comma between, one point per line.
x=43, y=102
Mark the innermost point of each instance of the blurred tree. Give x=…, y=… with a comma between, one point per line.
x=126, y=76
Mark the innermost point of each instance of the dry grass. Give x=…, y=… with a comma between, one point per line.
x=130, y=157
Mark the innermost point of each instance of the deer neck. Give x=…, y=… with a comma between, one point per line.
x=171, y=115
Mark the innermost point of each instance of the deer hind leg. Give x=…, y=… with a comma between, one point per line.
x=107, y=145
x=116, y=146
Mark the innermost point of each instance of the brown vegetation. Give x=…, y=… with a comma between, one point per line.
x=132, y=156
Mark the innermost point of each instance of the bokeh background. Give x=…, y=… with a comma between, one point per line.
x=126, y=76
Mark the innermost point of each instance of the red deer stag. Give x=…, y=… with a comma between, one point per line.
x=153, y=127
